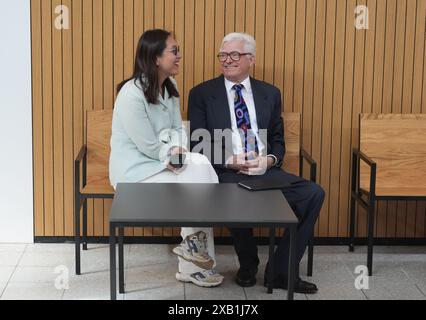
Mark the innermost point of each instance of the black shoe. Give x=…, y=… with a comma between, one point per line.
x=246, y=277
x=300, y=286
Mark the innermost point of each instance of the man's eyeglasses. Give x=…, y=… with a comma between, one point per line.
x=235, y=56
x=174, y=50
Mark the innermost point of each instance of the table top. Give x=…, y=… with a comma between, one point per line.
x=199, y=205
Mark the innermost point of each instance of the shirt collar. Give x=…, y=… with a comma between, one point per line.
x=246, y=83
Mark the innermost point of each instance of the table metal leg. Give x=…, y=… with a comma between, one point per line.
x=271, y=260
x=121, y=259
x=112, y=262
x=291, y=263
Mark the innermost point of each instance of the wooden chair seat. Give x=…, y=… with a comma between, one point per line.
x=398, y=191
x=98, y=187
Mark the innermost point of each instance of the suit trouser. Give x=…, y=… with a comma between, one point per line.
x=304, y=197
x=198, y=170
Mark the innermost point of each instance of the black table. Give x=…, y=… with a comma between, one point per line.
x=198, y=205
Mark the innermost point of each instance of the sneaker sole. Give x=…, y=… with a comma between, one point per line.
x=207, y=265
x=185, y=278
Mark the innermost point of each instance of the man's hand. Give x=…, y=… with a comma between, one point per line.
x=236, y=162
x=256, y=165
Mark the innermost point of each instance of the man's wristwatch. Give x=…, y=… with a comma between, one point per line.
x=275, y=160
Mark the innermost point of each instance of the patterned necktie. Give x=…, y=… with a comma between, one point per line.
x=243, y=121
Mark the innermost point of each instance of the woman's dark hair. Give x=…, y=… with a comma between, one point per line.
x=151, y=45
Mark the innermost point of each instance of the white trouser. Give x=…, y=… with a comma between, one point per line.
x=197, y=170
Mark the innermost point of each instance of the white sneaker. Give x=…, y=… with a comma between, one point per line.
x=205, y=278
x=194, y=249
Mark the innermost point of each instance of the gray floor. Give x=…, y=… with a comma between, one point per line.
x=46, y=271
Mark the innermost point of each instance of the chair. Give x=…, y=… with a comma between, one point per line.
x=93, y=159
x=393, y=153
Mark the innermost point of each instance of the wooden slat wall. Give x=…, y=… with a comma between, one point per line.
x=326, y=70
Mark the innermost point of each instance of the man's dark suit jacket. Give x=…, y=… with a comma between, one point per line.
x=208, y=108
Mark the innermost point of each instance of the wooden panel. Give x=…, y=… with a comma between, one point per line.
x=328, y=108
x=325, y=68
x=47, y=111
x=290, y=25
x=336, y=221
x=318, y=94
x=57, y=134
x=68, y=135
x=37, y=100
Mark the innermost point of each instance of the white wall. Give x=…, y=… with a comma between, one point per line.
x=16, y=173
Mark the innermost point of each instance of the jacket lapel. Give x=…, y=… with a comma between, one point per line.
x=220, y=106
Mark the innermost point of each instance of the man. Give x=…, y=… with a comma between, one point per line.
x=247, y=106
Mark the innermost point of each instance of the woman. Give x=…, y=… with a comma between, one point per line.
x=147, y=131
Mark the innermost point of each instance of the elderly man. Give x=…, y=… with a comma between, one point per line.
x=237, y=102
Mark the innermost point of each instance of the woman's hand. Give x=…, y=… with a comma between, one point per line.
x=175, y=151
x=178, y=150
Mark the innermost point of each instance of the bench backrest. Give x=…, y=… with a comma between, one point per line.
x=293, y=141
x=99, y=124
x=397, y=143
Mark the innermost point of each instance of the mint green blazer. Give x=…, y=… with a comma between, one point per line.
x=142, y=134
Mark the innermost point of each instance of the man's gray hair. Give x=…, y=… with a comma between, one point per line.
x=249, y=42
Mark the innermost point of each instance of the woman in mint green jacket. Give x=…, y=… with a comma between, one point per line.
x=147, y=130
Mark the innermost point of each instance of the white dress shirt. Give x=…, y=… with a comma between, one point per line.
x=237, y=143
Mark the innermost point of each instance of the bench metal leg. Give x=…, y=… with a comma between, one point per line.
x=85, y=224
x=371, y=213
x=271, y=260
x=112, y=263
x=353, y=195
x=121, y=259
x=77, y=234
x=352, y=225
x=311, y=255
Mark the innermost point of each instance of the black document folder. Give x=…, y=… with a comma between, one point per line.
x=263, y=184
